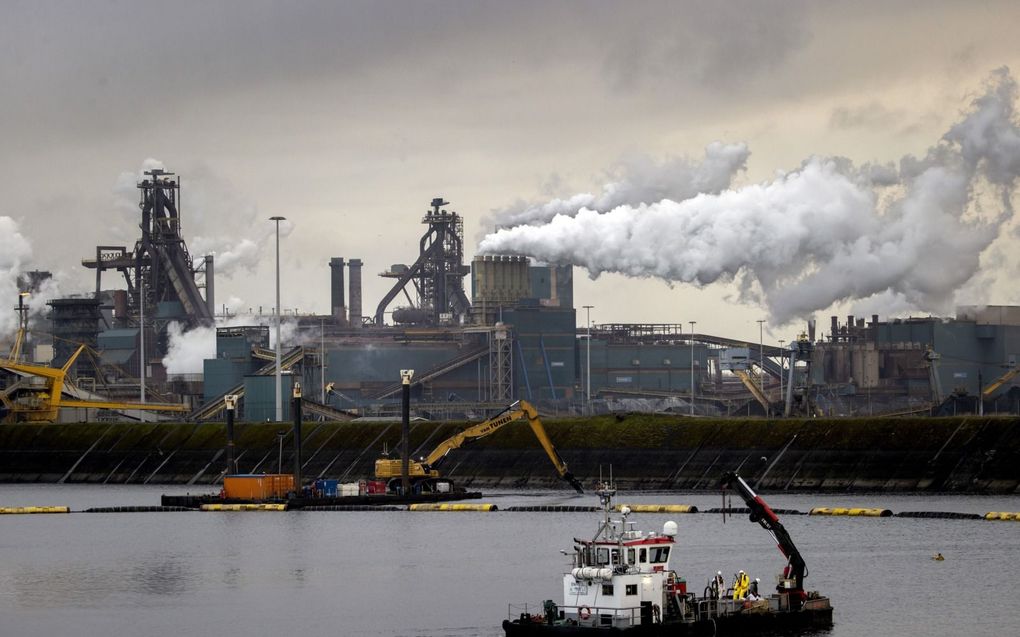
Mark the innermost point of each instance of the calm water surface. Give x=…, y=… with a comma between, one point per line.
x=402, y=573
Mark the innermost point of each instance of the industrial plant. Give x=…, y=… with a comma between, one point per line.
x=479, y=337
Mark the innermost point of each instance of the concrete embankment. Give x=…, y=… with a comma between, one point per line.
x=645, y=452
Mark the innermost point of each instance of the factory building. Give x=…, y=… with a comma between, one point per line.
x=514, y=338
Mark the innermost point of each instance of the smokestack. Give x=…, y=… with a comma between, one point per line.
x=336, y=289
x=834, y=330
x=120, y=307
x=811, y=330
x=210, y=285
x=355, y=291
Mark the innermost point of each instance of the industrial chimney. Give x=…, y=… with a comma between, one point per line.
x=355, y=291
x=210, y=285
x=336, y=289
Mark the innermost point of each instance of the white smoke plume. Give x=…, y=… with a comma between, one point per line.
x=188, y=349
x=824, y=233
x=215, y=218
x=15, y=250
x=636, y=181
x=233, y=255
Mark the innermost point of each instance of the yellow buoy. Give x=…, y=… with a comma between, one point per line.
x=29, y=510
x=1003, y=515
x=853, y=512
x=659, y=508
x=244, y=507
x=451, y=507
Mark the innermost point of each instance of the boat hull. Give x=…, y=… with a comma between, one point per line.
x=802, y=621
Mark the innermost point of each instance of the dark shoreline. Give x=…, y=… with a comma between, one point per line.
x=647, y=452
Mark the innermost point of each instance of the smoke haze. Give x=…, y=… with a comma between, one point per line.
x=824, y=233
x=639, y=180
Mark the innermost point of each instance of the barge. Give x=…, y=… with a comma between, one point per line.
x=621, y=582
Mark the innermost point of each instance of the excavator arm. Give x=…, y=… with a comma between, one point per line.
x=763, y=515
x=516, y=411
x=543, y=439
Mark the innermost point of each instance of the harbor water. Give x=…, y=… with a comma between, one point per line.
x=399, y=573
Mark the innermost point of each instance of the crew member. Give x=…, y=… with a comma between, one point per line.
x=741, y=582
x=720, y=585
x=752, y=592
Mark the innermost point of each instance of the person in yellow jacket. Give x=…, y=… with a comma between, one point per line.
x=741, y=582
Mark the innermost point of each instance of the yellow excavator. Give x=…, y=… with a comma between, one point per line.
x=424, y=475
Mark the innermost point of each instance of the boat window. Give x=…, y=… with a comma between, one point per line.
x=660, y=554
x=632, y=589
x=603, y=556
x=607, y=589
x=630, y=556
x=644, y=555
x=616, y=556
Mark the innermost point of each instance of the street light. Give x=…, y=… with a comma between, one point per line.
x=587, y=387
x=692, y=365
x=761, y=359
x=141, y=334
x=279, y=382
x=782, y=370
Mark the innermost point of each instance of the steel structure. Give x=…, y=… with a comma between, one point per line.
x=160, y=257
x=438, y=274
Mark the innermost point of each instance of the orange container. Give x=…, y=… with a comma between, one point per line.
x=258, y=486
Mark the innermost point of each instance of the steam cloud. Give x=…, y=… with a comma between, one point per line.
x=15, y=252
x=212, y=204
x=640, y=180
x=188, y=349
x=823, y=233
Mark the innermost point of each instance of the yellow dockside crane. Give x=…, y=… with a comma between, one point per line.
x=38, y=393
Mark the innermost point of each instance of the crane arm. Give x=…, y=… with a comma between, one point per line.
x=763, y=515
x=543, y=439
x=471, y=434
x=516, y=411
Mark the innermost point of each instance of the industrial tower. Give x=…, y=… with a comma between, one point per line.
x=160, y=269
x=437, y=275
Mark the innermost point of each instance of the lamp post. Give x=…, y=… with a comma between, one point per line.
x=782, y=368
x=692, y=365
x=141, y=334
x=322, y=360
x=279, y=457
x=587, y=384
x=761, y=359
x=279, y=382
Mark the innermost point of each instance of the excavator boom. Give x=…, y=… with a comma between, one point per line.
x=388, y=468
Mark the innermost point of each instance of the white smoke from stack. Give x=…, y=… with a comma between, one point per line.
x=821, y=234
x=188, y=349
x=639, y=180
x=234, y=255
x=15, y=250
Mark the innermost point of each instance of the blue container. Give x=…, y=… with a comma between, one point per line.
x=328, y=488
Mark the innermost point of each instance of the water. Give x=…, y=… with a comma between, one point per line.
x=402, y=573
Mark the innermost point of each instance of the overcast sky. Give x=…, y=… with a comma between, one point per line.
x=349, y=117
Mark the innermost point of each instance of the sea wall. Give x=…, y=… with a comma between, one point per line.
x=645, y=452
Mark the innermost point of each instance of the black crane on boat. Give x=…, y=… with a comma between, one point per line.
x=763, y=515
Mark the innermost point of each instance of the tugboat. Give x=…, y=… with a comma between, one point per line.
x=621, y=582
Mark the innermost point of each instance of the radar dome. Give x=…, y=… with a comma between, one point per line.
x=669, y=528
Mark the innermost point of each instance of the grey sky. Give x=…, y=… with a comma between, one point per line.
x=349, y=117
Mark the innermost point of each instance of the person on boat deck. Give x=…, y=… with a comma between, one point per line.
x=752, y=592
x=741, y=582
x=720, y=585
